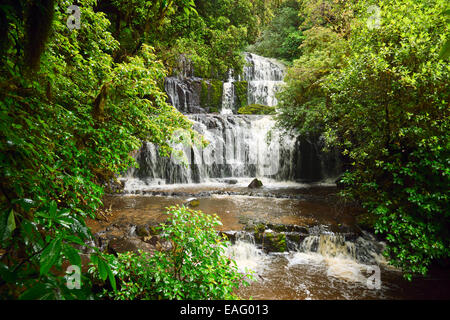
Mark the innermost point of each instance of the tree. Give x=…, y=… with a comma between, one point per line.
x=390, y=113
x=380, y=94
x=68, y=127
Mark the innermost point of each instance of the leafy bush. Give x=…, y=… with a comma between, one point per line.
x=390, y=115
x=281, y=38
x=65, y=131
x=194, y=268
x=381, y=95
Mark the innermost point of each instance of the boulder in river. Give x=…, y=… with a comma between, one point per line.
x=142, y=231
x=116, y=246
x=192, y=202
x=256, y=183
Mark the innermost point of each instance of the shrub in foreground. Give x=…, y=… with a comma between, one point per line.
x=195, y=267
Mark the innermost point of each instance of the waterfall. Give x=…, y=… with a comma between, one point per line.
x=228, y=95
x=349, y=260
x=247, y=255
x=240, y=145
x=264, y=77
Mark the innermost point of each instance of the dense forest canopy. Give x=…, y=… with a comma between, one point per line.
x=378, y=87
x=77, y=102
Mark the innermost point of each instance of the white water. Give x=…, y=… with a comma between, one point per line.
x=249, y=258
x=327, y=255
x=239, y=146
x=228, y=96
x=264, y=77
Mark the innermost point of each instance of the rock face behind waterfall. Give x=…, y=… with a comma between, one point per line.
x=240, y=145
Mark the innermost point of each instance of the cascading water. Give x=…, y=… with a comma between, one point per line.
x=322, y=258
x=264, y=77
x=248, y=257
x=343, y=258
x=228, y=95
x=240, y=145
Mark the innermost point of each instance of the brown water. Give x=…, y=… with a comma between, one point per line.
x=293, y=275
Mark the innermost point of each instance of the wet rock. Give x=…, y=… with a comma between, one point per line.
x=192, y=202
x=230, y=235
x=260, y=226
x=294, y=239
x=122, y=245
x=142, y=231
x=153, y=240
x=256, y=183
x=230, y=181
x=274, y=241
x=287, y=228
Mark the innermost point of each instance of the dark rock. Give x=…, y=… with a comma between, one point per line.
x=255, y=184
x=122, y=245
x=152, y=240
x=142, y=231
x=230, y=181
x=295, y=237
x=230, y=235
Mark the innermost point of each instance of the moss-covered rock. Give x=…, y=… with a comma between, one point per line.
x=274, y=241
x=258, y=230
x=256, y=183
x=240, y=89
x=211, y=95
x=256, y=109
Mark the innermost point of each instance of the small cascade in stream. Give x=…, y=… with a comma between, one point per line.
x=351, y=259
x=247, y=255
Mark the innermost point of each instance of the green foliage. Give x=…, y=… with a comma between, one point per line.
x=381, y=95
x=256, y=109
x=445, y=49
x=282, y=37
x=195, y=267
x=213, y=39
x=303, y=101
x=390, y=105
x=65, y=132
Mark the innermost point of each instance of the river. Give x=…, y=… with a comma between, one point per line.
x=324, y=270
x=296, y=235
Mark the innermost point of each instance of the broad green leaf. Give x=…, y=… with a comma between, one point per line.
x=11, y=225
x=111, y=277
x=35, y=292
x=72, y=254
x=445, y=50
x=50, y=255
x=102, y=269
